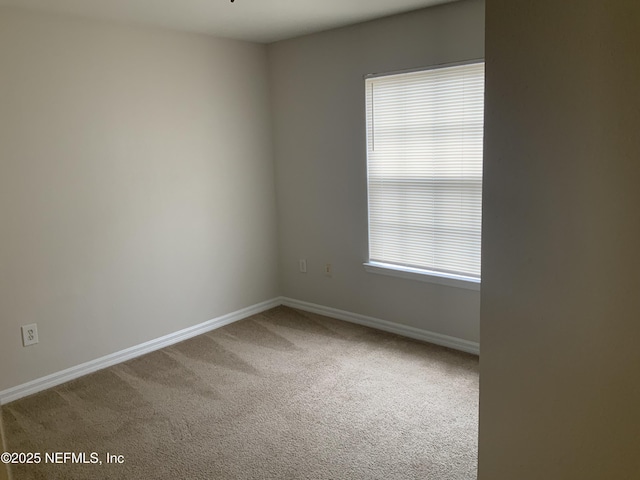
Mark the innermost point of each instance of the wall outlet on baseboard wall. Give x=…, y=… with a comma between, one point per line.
x=30, y=334
x=303, y=265
x=328, y=269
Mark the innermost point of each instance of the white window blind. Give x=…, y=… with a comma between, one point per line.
x=424, y=163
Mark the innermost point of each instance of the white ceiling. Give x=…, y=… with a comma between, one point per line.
x=254, y=20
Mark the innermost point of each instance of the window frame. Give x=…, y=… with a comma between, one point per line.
x=401, y=271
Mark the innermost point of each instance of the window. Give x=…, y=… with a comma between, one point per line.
x=424, y=168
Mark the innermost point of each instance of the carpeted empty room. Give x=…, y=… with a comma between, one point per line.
x=281, y=394
x=240, y=239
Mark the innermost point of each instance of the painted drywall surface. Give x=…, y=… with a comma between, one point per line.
x=319, y=123
x=560, y=370
x=136, y=186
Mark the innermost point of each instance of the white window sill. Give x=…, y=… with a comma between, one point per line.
x=449, y=280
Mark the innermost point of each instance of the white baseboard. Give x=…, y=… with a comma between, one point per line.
x=404, y=330
x=72, y=373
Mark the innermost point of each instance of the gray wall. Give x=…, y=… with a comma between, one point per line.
x=560, y=369
x=319, y=124
x=136, y=186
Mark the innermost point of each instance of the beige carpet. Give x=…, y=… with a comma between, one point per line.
x=3, y=468
x=280, y=395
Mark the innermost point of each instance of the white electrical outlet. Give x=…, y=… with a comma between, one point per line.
x=303, y=265
x=29, y=334
x=328, y=269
